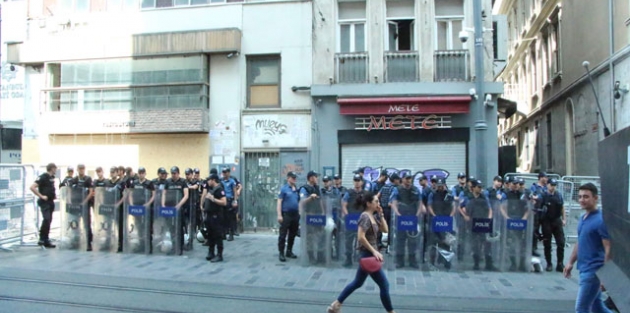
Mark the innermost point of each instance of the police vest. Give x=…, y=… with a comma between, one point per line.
x=99, y=183
x=408, y=199
x=554, y=206
x=516, y=205
x=112, y=192
x=458, y=190
x=386, y=191
x=314, y=205
x=139, y=192
x=477, y=207
x=492, y=194
x=352, y=200
x=442, y=203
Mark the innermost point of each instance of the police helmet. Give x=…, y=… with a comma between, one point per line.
x=521, y=181
x=440, y=182
x=196, y=170
x=394, y=176
x=336, y=177
x=498, y=178
x=493, y=236
x=553, y=182
x=357, y=177
x=476, y=183
x=174, y=170
x=141, y=170
x=214, y=177
x=326, y=178
x=434, y=178
x=161, y=170
x=200, y=236
x=214, y=171
x=420, y=178
x=291, y=175
x=407, y=175
x=471, y=178
x=187, y=171
x=461, y=175
x=225, y=170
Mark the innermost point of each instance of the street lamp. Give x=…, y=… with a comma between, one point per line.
x=481, y=126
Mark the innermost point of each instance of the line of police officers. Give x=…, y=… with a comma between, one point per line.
x=467, y=199
x=219, y=195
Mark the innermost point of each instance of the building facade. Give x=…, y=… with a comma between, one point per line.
x=558, y=124
x=153, y=83
x=392, y=88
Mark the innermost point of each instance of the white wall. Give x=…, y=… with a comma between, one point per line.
x=622, y=106
x=13, y=91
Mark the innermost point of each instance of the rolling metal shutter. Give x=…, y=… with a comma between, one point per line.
x=416, y=157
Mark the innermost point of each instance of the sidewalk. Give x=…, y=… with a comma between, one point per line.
x=252, y=260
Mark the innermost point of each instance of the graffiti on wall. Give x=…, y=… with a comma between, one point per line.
x=271, y=127
x=372, y=173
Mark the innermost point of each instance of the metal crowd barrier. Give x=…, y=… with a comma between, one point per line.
x=19, y=218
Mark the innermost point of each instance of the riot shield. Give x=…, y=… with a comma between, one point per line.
x=107, y=204
x=479, y=237
x=516, y=225
x=333, y=227
x=137, y=221
x=313, y=231
x=166, y=223
x=189, y=219
x=442, y=242
x=75, y=221
x=407, y=241
x=348, y=236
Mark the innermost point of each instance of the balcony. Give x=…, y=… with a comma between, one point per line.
x=173, y=109
x=351, y=68
x=401, y=66
x=452, y=65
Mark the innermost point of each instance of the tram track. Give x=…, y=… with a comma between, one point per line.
x=296, y=302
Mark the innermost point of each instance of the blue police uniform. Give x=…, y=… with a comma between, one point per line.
x=290, y=218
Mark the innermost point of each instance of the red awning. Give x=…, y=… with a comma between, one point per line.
x=404, y=105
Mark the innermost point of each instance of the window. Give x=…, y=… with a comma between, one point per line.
x=400, y=26
x=11, y=138
x=519, y=147
x=556, y=57
x=538, y=149
x=352, y=27
x=533, y=70
x=74, y=6
x=549, y=139
x=449, y=17
x=526, y=144
x=545, y=71
x=263, y=81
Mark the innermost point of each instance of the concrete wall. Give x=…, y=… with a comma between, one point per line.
x=621, y=30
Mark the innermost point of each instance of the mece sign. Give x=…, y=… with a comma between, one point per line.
x=398, y=122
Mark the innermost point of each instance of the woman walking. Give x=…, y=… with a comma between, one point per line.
x=367, y=235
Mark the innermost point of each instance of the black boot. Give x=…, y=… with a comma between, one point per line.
x=210, y=255
x=549, y=267
x=476, y=260
x=490, y=264
x=512, y=264
x=219, y=257
x=89, y=247
x=290, y=254
x=281, y=257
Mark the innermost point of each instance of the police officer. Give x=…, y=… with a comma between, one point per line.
x=310, y=202
x=99, y=181
x=385, y=194
x=515, y=208
x=474, y=206
x=117, y=186
x=190, y=205
x=288, y=217
x=215, y=202
x=175, y=182
x=67, y=181
x=538, y=190
x=160, y=181
x=337, y=184
x=464, y=227
x=199, y=190
x=406, y=200
x=434, y=180
x=367, y=185
x=378, y=184
x=348, y=206
x=140, y=188
x=553, y=220
x=440, y=203
x=459, y=188
x=85, y=183
x=331, y=195
x=495, y=194
x=232, y=189
x=44, y=189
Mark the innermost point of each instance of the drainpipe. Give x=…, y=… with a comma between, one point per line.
x=611, y=66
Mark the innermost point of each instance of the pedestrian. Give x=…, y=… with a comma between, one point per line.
x=538, y=189
x=232, y=189
x=85, y=183
x=44, y=189
x=553, y=220
x=310, y=204
x=288, y=217
x=370, y=223
x=591, y=252
x=406, y=200
x=215, y=201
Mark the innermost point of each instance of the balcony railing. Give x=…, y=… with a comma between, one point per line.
x=452, y=65
x=351, y=67
x=401, y=66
